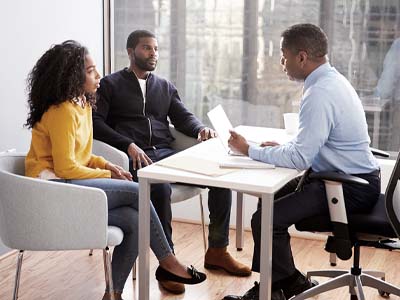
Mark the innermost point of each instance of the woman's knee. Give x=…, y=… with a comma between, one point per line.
x=125, y=218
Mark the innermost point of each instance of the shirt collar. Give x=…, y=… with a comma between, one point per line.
x=317, y=73
x=132, y=73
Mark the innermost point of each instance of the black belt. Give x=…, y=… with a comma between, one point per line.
x=373, y=173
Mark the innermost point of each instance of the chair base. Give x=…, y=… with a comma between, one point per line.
x=354, y=282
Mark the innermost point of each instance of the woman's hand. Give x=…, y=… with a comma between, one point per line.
x=118, y=172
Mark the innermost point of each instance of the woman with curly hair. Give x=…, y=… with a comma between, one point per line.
x=62, y=88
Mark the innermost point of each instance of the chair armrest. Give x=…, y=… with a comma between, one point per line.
x=340, y=243
x=378, y=152
x=111, y=154
x=181, y=141
x=338, y=177
x=44, y=215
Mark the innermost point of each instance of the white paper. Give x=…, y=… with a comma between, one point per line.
x=194, y=165
x=221, y=124
x=243, y=163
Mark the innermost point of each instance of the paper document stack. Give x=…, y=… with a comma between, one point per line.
x=243, y=163
x=194, y=165
x=207, y=167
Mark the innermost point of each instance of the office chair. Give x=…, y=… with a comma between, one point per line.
x=375, y=152
x=372, y=229
x=39, y=215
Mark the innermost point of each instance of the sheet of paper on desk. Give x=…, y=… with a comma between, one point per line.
x=243, y=163
x=195, y=165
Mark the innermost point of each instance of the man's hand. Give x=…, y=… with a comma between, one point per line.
x=118, y=172
x=205, y=134
x=139, y=158
x=238, y=143
x=269, y=143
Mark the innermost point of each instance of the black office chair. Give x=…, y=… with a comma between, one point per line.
x=374, y=229
x=375, y=152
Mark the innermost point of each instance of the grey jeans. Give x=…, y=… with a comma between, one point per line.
x=122, y=199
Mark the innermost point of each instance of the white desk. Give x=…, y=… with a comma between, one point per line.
x=263, y=182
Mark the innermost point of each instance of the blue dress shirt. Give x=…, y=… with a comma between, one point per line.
x=333, y=133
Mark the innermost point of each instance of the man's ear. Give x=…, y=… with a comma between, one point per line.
x=302, y=56
x=130, y=52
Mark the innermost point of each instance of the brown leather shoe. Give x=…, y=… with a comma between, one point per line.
x=220, y=259
x=172, y=286
x=117, y=296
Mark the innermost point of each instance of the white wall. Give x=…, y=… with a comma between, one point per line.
x=27, y=30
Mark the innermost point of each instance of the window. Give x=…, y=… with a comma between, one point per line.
x=227, y=52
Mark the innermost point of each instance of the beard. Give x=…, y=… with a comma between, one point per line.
x=144, y=64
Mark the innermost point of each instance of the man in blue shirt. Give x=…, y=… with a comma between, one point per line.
x=332, y=136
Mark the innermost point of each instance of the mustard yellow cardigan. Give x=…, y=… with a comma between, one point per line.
x=62, y=143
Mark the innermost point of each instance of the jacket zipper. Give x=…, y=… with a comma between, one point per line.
x=144, y=114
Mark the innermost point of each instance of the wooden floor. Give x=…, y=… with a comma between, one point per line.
x=75, y=275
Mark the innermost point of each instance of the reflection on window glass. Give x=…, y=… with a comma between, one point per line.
x=227, y=52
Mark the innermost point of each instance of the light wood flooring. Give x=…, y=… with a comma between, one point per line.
x=75, y=275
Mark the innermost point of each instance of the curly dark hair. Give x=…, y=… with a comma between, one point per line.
x=306, y=37
x=58, y=76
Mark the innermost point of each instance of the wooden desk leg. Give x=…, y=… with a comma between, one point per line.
x=239, y=221
x=144, y=238
x=266, y=246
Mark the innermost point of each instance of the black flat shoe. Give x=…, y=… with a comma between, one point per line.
x=197, y=277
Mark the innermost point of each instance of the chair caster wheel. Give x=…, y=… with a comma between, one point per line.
x=239, y=249
x=333, y=264
x=383, y=294
x=353, y=297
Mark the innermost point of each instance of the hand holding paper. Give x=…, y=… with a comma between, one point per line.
x=238, y=143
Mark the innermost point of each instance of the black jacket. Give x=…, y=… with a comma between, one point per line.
x=122, y=117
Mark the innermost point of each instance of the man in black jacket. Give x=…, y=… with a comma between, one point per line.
x=132, y=114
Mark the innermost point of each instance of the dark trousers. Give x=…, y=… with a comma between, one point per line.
x=291, y=207
x=219, y=205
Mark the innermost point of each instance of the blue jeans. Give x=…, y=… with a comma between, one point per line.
x=122, y=199
x=219, y=204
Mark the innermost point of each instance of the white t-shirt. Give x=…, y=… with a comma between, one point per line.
x=142, y=83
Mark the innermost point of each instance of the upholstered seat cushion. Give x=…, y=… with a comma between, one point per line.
x=374, y=222
x=184, y=192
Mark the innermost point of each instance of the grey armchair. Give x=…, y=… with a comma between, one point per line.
x=39, y=215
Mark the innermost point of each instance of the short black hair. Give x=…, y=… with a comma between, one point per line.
x=133, y=38
x=305, y=37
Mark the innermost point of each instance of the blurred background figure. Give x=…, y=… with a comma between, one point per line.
x=389, y=88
